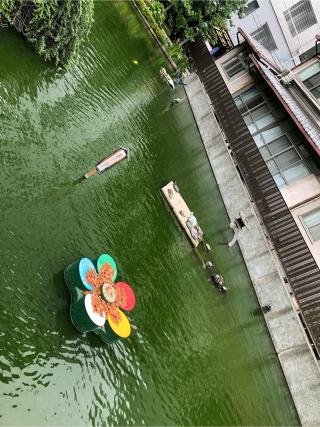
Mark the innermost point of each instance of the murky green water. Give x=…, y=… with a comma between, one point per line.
x=195, y=357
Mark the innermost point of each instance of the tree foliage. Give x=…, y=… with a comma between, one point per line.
x=188, y=18
x=55, y=28
x=157, y=10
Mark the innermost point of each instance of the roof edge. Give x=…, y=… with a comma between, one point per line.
x=286, y=107
x=256, y=51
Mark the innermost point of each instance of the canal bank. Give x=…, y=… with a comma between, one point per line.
x=295, y=355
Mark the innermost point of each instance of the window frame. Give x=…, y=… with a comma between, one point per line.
x=247, y=11
x=275, y=123
x=307, y=230
x=245, y=68
x=272, y=41
x=317, y=62
x=292, y=24
x=310, y=89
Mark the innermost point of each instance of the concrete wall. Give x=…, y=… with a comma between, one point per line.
x=300, y=191
x=301, y=197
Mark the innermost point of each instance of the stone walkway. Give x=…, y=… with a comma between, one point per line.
x=296, y=357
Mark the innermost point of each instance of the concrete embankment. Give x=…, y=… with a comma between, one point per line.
x=300, y=367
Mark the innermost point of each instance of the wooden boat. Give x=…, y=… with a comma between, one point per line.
x=182, y=212
x=109, y=161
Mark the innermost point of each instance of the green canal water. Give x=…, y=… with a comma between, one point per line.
x=195, y=357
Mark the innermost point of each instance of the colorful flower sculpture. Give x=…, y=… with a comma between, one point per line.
x=108, y=297
x=97, y=300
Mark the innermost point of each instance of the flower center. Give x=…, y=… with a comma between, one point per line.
x=108, y=292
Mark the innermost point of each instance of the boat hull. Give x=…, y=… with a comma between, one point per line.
x=108, y=162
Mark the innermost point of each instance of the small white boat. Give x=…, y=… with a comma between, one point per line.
x=109, y=161
x=167, y=77
x=182, y=212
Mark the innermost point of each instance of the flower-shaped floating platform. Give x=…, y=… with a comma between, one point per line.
x=98, y=300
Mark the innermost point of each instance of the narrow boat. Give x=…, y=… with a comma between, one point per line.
x=109, y=161
x=186, y=218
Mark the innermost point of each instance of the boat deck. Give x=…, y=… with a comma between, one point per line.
x=180, y=209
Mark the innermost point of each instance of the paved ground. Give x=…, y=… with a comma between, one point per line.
x=299, y=365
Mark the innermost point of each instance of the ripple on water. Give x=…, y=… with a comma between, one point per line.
x=190, y=359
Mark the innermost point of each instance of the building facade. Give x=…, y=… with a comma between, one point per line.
x=285, y=28
x=271, y=120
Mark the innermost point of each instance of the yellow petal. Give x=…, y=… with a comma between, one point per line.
x=122, y=328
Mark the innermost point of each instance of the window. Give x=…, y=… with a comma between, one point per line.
x=300, y=17
x=265, y=38
x=311, y=222
x=275, y=146
x=251, y=7
x=236, y=66
x=311, y=79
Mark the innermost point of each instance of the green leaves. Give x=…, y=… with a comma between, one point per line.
x=157, y=10
x=55, y=28
x=190, y=17
x=178, y=56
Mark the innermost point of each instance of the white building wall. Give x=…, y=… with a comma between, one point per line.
x=271, y=12
x=264, y=14
x=306, y=39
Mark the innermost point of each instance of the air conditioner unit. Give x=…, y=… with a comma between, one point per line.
x=285, y=78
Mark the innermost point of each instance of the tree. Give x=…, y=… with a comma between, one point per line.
x=55, y=28
x=188, y=18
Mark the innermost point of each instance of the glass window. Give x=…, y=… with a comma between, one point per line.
x=251, y=7
x=316, y=91
x=250, y=94
x=311, y=79
x=258, y=140
x=280, y=144
x=300, y=17
x=279, y=180
x=271, y=134
x=287, y=158
x=236, y=66
x=264, y=121
x=264, y=36
x=259, y=111
x=265, y=153
x=295, y=172
x=272, y=166
x=311, y=221
x=252, y=103
x=281, y=156
x=248, y=119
